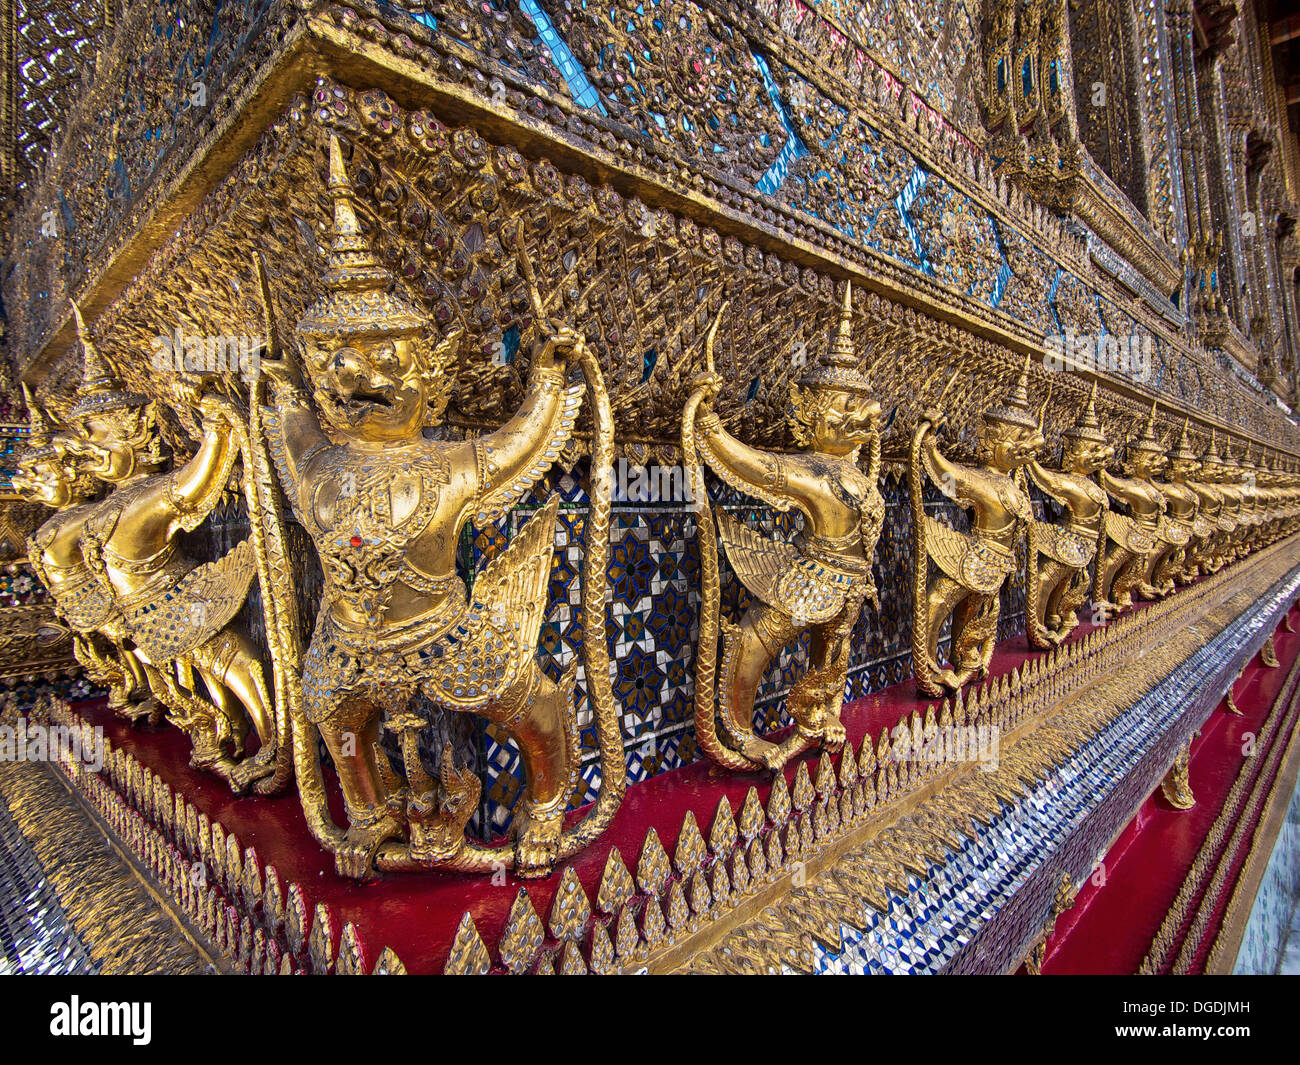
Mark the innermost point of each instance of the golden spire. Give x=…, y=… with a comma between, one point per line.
x=39, y=433
x=1184, y=448
x=1147, y=441
x=839, y=370
x=842, y=344
x=358, y=301
x=101, y=389
x=1089, y=427
x=1211, y=456
x=1014, y=410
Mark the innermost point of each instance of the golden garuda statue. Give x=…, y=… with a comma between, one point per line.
x=178, y=615
x=1132, y=538
x=46, y=474
x=970, y=567
x=1169, y=563
x=1249, y=520
x=1205, y=550
x=1056, y=576
x=385, y=507
x=817, y=584
x=1230, y=480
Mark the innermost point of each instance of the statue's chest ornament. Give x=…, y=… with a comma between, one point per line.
x=365, y=517
x=1013, y=500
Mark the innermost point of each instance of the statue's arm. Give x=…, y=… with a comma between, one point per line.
x=295, y=435
x=953, y=479
x=763, y=474
x=509, y=460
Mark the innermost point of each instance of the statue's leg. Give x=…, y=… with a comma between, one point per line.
x=351, y=735
x=943, y=597
x=974, y=635
x=227, y=706
x=1073, y=594
x=1111, y=565
x=828, y=673
x=230, y=659
x=1054, y=579
x=539, y=714
x=748, y=649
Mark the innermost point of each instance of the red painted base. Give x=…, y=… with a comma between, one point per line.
x=1122, y=905
x=417, y=914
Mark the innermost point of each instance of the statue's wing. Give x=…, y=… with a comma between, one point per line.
x=1125, y=532
x=966, y=559
x=87, y=608
x=777, y=574
x=483, y=654
x=1064, y=545
x=495, y=500
x=197, y=608
x=1174, y=532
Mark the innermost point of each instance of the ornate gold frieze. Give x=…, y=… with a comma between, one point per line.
x=543, y=118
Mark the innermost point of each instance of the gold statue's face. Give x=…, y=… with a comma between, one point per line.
x=369, y=388
x=108, y=445
x=844, y=421
x=1143, y=462
x=44, y=481
x=1181, y=469
x=1085, y=456
x=1009, y=447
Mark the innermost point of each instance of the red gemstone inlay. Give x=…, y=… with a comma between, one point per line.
x=356, y=541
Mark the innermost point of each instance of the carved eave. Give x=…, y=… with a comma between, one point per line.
x=1222, y=335
x=1109, y=214
x=360, y=45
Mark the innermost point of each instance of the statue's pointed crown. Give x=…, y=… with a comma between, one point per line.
x=101, y=389
x=358, y=301
x=1211, y=456
x=1184, y=448
x=1147, y=441
x=1014, y=410
x=1228, y=462
x=839, y=369
x=1088, y=427
x=40, y=435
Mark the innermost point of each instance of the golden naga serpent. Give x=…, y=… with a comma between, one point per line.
x=706, y=657
x=267, y=533
x=282, y=621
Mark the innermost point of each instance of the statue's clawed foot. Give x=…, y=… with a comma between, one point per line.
x=355, y=858
x=833, y=733
x=250, y=770
x=761, y=752
x=148, y=711
x=537, y=838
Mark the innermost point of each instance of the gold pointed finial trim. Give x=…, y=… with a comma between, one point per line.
x=101, y=388
x=358, y=301
x=840, y=370
x=1015, y=410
